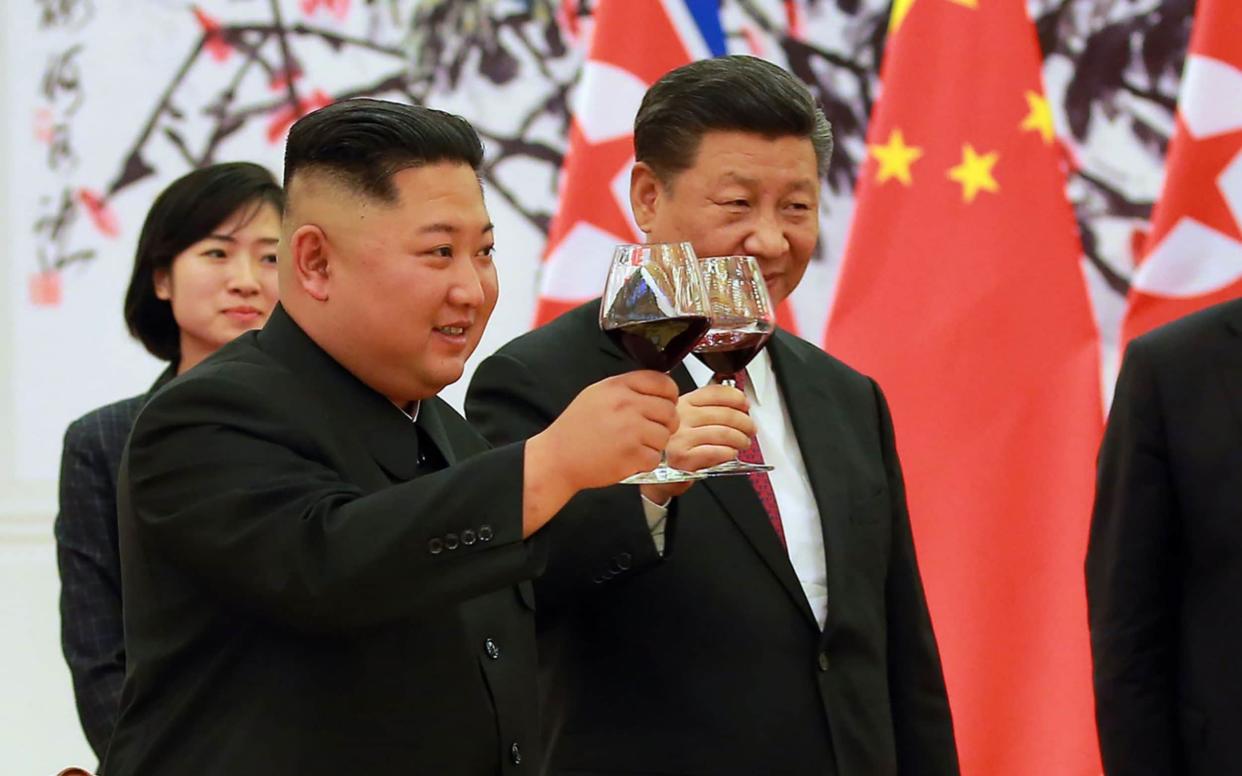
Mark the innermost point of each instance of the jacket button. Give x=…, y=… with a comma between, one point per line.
x=485, y=533
x=467, y=537
x=624, y=560
x=450, y=541
x=515, y=754
x=435, y=546
x=823, y=661
x=492, y=650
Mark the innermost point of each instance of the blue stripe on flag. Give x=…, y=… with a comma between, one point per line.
x=706, y=15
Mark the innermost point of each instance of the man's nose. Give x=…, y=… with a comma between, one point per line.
x=467, y=289
x=767, y=240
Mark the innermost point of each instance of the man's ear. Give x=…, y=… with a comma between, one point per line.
x=646, y=193
x=308, y=259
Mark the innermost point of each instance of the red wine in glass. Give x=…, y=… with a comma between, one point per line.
x=743, y=320
x=728, y=351
x=660, y=344
x=655, y=309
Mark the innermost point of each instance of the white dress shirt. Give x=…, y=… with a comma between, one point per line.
x=804, y=535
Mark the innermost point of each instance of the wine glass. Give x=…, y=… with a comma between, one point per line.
x=742, y=322
x=655, y=309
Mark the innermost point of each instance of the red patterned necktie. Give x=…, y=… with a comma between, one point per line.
x=759, y=480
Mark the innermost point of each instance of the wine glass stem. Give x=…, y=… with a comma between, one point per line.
x=731, y=381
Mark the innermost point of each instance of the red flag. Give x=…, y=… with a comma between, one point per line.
x=633, y=44
x=1193, y=256
x=962, y=294
x=594, y=211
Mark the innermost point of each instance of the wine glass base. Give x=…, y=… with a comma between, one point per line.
x=730, y=468
x=661, y=475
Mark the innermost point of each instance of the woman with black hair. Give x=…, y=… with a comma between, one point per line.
x=204, y=272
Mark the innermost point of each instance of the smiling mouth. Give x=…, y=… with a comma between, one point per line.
x=451, y=331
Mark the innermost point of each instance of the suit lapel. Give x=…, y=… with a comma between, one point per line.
x=818, y=429
x=393, y=443
x=431, y=418
x=737, y=497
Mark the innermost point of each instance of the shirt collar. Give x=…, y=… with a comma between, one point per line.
x=412, y=413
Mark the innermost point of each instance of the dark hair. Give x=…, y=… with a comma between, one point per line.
x=364, y=142
x=732, y=93
x=184, y=213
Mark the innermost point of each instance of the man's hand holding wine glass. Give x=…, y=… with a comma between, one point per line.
x=714, y=427
x=611, y=430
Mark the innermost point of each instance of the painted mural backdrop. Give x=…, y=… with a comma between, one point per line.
x=111, y=101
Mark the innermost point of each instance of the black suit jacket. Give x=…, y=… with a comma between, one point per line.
x=1164, y=563
x=303, y=593
x=709, y=660
x=91, y=634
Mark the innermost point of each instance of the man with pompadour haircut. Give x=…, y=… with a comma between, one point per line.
x=324, y=567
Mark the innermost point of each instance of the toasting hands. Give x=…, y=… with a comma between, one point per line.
x=714, y=427
x=614, y=428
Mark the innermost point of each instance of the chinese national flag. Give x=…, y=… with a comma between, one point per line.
x=962, y=294
x=1193, y=256
x=634, y=43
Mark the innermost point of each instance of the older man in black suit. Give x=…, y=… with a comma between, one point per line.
x=1164, y=562
x=323, y=565
x=770, y=626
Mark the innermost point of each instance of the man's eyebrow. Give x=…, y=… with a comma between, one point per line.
x=451, y=228
x=804, y=184
x=734, y=177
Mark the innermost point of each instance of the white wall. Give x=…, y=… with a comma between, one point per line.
x=39, y=731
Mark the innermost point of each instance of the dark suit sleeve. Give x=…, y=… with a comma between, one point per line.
x=922, y=724
x=1132, y=587
x=91, y=633
x=228, y=484
x=601, y=536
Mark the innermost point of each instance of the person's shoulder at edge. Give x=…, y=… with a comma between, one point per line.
x=240, y=364
x=118, y=414
x=1185, y=333
x=824, y=363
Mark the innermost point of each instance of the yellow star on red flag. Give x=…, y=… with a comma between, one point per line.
x=975, y=172
x=901, y=8
x=1039, y=119
x=895, y=158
